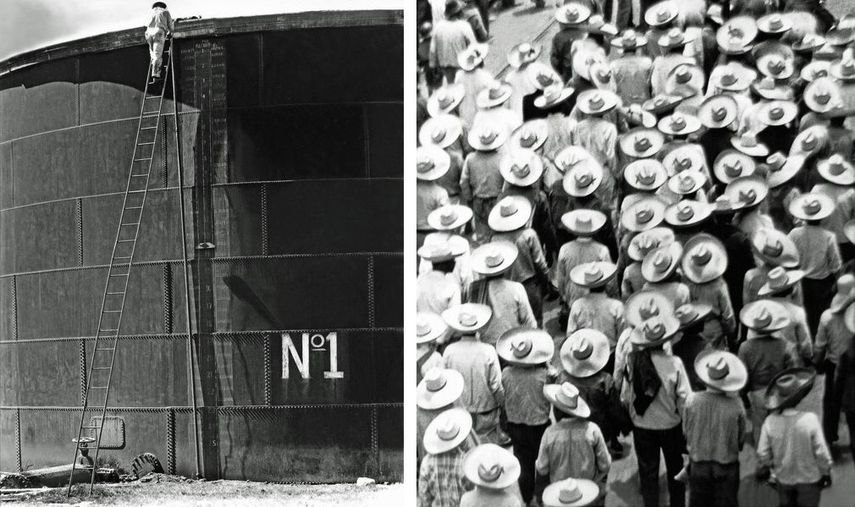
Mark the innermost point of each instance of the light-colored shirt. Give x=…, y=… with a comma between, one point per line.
x=764, y=357
x=483, y=497
x=792, y=445
x=441, y=480
x=530, y=260
x=511, y=309
x=818, y=251
x=666, y=409
x=714, y=425
x=755, y=278
x=676, y=292
x=482, y=377
x=573, y=448
x=715, y=294
x=662, y=67
x=473, y=82
x=523, y=85
x=499, y=116
x=631, y=74
x=560, y=134
x=797, y=332
x=429, y=196
x=572, y=254
x=597, y=311
x=437, y=292
x=832, y=337
x=161, y=20
x=844, y=208
x=632, y=281
x=524, y=399
x=481, y=176
x=450, y=37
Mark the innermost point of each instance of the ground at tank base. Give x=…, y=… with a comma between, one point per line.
x=169, y=491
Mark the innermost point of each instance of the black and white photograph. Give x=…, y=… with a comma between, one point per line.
x=635, y=269
x=202, y=252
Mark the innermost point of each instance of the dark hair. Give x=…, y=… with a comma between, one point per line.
x=158, y=4
x=560, y=414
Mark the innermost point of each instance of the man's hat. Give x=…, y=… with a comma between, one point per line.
x=687, y=182
x=521, y=167
x=494, y=258
x=429, y=327
x=492, y=467
x=735, y=36
x=837, y=170
x=487, y=137
x=735, y=77
x=641, y=142
x=731, y=164
x=449, y=217
x=467, y=318
x=445, y=99
x=679, y=124
x=686, y=157
x=661, y=263
x=686, y=79
x=442, y=251
x=570, y=493
x=572, y=13
x=823, y=95
x=692, y=313
x=764, y=316
x=646, y=304
x=811, y=206
x=808, y=43
x=775, y=247
x=432, y=162
x=840, y=36
x=779, y=279
x=645, y=174
x=649, y=240
x=565, y=397
x=472, y=56
x=815, y=69
x=718, y=111
x=453, y=7
x=522, y=54
x=158, y=4
x=442, y=130
x=789, y=387
x=661, y=13
x=597, y=102
x=582, y=173
x=774, y=23
x=593, y=274
x=748, y=144
x=654, y=331
x=525, y=346
x=809, y=141
x=662, y=103
x=746, y=192
x=447, y=431
x=849, y=230
x=688, y=212
x=771, y=89
x=510, y=214
x=845, y=293
x=531, y=135
x=704, y=258
x=844, y=70
x=553, y=95
x=778, y=112
x=583, y=222
x=721, y=370
x=780, y=174
x=440, y=387
x=494, y=94
x=584, y=353
x=601, y=76
x=542, y=75
x=674, y=38
x=849, y=318
x=643, y=215
x=629, y=40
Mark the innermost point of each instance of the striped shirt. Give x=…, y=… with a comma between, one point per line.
x=441, y=480
x=714, y=425
x=818, y=251
x=573, y=448
x=524, y=400
x=793, y=446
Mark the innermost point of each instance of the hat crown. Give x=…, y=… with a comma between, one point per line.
x=822, y=96
x=702, y=256
x=645, y=176
x=593, y=273
x=847, y=67
x=494, y=259
x=809, y=141
x=435, y=380
x=521, y=347
x=678, y=123
x=683, y=75
x=719, y=369
x=835, y=165
x=508, y=207
x=520, y=169
x=686, y=181
x=659, y=101
x=776, y=65
x=444, y=98
x=569, y=395
x=682, y=163
x=773, y=248
x=777, y=278
x=646, y=244
x=662, y=261
x=648, y=310
x=811, y=206
x=569, y=491
x=584, y=178
x=787, y=384
x=685, y=211
x=747, y=195
x=490, y=472
x=525, y=48
x=488, y=136
x=448, y=429
x=496, y=90
x=467, y=319
x=584, y=222
x=552, y=93
x=719, y=113
x=642, y=143
x=775, y=21
x=448, y=217
x=776, y=112
x=438, y=134
x=596, y=102
x=653, y=330
x=528, y=137
x=424, y=164
x=763, y=318
x=544, y=79
x=728, y=79
x=583, y=349
x=423, y=327
x=662, y=15
x=686, y=313
x=644, y=214
x=776, y=158
x=732, y=169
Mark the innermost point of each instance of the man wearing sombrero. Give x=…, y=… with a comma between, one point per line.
x=159, y=28
x=450, y=37
x=431, y=164
x=472, y=78
x=447, y=440
x=631, y=68
x=481, y=179
x=584, y=224
x=596, y=310
x=494, y=471
x=437, y=392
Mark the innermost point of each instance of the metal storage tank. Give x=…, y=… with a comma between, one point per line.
x=291, y=135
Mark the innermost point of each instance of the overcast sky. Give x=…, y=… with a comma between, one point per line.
x=30, y=24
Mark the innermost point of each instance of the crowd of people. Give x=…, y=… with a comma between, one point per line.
x=675, y=189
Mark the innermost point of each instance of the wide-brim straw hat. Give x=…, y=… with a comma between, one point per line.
x=780, y=174
x=674, y=38
x=679, y=124
x=601, y=76
x=542, y=75
x=810, y=141
x=735, y=77
x=654, y=331
x=432, y=162
x=748, y=144
x=494, y=258
x=731, y=164
x=447, y=431
x=582, y=173
x=661, y=263
x=646, y=304
x=774, y=23
x=778, y=112
x=774, y=59
x=521, y=167
x=789, y=387
x=487, y=137
x=811, y=206
x=736, y=35
x=523, y=53
x=429, y=327
x=593, y=274
x=566, y=398
x=440, y=387
x=764, y=316
x=492, y=467
x=687, y=182
x=718, y=111
x=662, y=103
x=442, y=251
x=442, y=131
x=686, y=157
x=570, y=493
x=849, y=318
x=572, y=13
x=445, y=99
x=647, y=213
x=686, y=76
x=836, y=169
x=583, y=222
x=692, y=313
x=843, y=70
x=531, y=135
x=584, y=353
x=661, y=13
x=770, y=89
x=629, y=40
x=467, y=318
x=641, y=142
x=472, y=56
x=644, y=242
x=843, y=34
x=688, y=212
x=779, y=279
x=494, y=94
x=597, y=102
x=449, y=217
x=721, y=370
x=645, y=174
x=747, y=191
x=845, y=293
x=775, y=247
x=823, y=95
x=704, y=258
x=808, y=43
x=525, y=346
x=553, y=95
x=510, y=213
x=815, y=69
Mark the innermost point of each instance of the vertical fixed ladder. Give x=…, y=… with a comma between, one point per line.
x=103, y=357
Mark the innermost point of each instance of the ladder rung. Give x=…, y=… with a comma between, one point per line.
x=131, y=223
x=119, y=274
x=115, y=293
x=105, y=349
x=141, y=144
x=90, y=428
x=135, y=192
x=139, y=176
x=141, y=159
x=150, y=115
x=112, y=311
x=98, y=387
x=134, y=207
x=100, y=367
x=107, y=330
x=122, y=257
x=148, y=128
x=153, y=97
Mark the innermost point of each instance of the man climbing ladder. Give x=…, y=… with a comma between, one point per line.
x=159, y=29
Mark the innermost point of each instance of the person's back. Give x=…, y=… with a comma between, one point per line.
x=765, y=357
x=573, y=448
x=792, y=445
x=717, y=413
x=511, y=309
x=483, y=497
x=441, y=479
x=159, y=27
x=450, y=37
x=479, y=365
x=161, y=19
x=632, y=77
x=666, y=408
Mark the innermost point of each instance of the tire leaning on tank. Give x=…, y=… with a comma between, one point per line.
x=144, y=464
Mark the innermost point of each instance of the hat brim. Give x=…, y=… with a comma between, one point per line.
x=736, y=378
x=510, y=469
x=433, y=107
x=484, y=101
x=542, y=347
x=786, y=172
x=518, y=220
x=775, y=401
x=435, y=445
x=826, y=208
x=790, y=113
x=516, y=60
x=702, y=311
x=669, y=103
x=464, y=215
x=450, y=392
x=637, y=338
x=648, y=270
x=793, y=278
x=779, y=320
x=584, y=368
x=713, y=269
x=482, y=313
x=758, y=150
x=844, y=179
x=541, y=103
x=849, y=318
x=701, y=212
x=589, y=489
x=597, y=223
x=577, y=275
x=476, y=143
x=581, y=410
